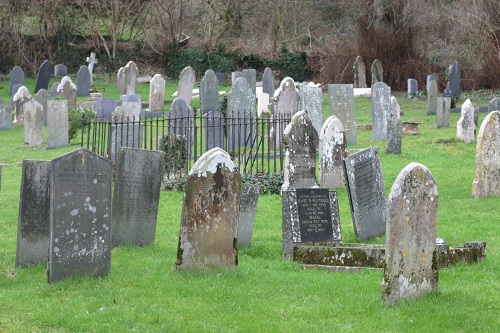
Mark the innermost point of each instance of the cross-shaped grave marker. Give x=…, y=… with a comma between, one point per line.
x=91, y=60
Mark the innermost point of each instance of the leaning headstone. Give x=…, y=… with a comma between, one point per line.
x=210, y=240
x=430, y=78
x=68, y=90
x=240, y=114
x=494, y=104
x=136, y=196
x=466, y=127
x=381, y=106
x=187, y=78
x=487, y=177
x=341, y=97
x=20, y=98
x=120, y=80
x=251, y=75
x=300, y=140
x=33, y=123
x=157, y=93
x=359, y=70
x=410, y=264
x=16, y=77
x=60, y=70
x=209, y=92
x=454, y=82
x=432, y=94
x=377, y=72
x=80, y=216
x=268, y=82
x=332, y=150
x=248, y=205
x=83, y=79
x=42, y=96
x=443, y=112
x=366, y=191
x=43, y=77
x=34, y=213
x=5, y=117
x=412, y=88
x=311, y=101
x=214, y=129
x=57, y=123
x=130, y=80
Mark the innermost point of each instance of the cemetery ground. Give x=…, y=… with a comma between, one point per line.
x=143, y=292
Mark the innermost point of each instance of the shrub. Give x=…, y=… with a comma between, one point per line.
x=75, y=121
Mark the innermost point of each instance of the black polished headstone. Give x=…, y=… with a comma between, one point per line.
x=16, y=78
x=43, y=77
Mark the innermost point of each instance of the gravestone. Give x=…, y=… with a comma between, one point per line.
x=454, y=82
x=68, y=90
x=34, y=213
x=214, y=130
x=432, y=94
x=412, y=88
x=5, y=117
x=359, y=70
x=494, y=104
x=125, y=130
x=53, y=89
x=285, y=105
x=33, y=123
x=221, y=78
x=240, y=115
x=430, y=78
x=92, y=61
x=248, y=204
x=187, y=78
x=213, y=186
x=332, y=150
x=311, y=101
x=57, y=123
x=466, y=127
x=487, y=177
x=42, y=96
x=251, y=75
x=263, y=106
x=130, y=79
x=381, y=106
x=341, y=97
x=157, y=93
x=377, y=72
x=394, y=129
x=60, y=70
x=180, y=119
x=209, y=92
x=43, y=77
x=15, y=89
x=80, y=216
x=234, y=76
x=300, y=140
x=447, y=93
x=136, y=196
x=309, y=215
x=268, y=81
x=105, y=107
x=120, y=80
x=83, y=79
x=16, y=77
x=410, y=265
x=443, y=112
x=366, y=191
x=20, y=98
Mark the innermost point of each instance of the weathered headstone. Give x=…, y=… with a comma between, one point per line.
x=43, y=77
x=410, y=265
x=285, y=105
x=455, y=78
x=263, y=106
x=83, y=79
x=34, y=213
x=120, y=80
x=136, y=196
x=381, y=106
x=130, y=72
x=300, y=140
x=42, y=96
x=53, y=89
x=180, y=119
x=341, y=97
x=210, y=213
x=187, y=78
x=5, y=117
x=377, y=72
x=20, y=98
x=432, y=94
x=240, y=114
x=366, y=191
x=494, y=104
x=311, y=101
x=359, y=70
x=394, y=129
x=157, y=93
x=234, y=76
x=105, y=107
x=248, y=204
x=68, y=90
x=251, y=75
x=221, y=77
x=16, y=77
x=466, y=127
x=209, y=92
x=214, y=129
x=57, y=123
x=430, y=77
x=33, y=123
x=268, y=82
x=332, y=150
x=60, y=70
x=412, y=88
x=80, y=216
x=443, y=112
x=487, y=177
x=125, y=130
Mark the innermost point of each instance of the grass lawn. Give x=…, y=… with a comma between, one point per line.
x=143, y=293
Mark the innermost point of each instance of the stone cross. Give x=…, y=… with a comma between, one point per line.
x=91, y=60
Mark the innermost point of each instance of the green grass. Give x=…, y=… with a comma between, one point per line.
x=143, y=293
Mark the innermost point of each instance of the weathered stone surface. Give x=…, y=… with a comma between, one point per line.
x=494, y=104
x=411, y=267
x=33, y=123
x=366, y=191
x=300, y=140
x=248, y=205
x=210, y=213
x=235, y=75
x=341, y=97
x=42, y=96
x=57, y=123
x=268, y=82
x=332, y=150
x=180, y=118
x=285, y=104
x=157, y=93
x=214, y=130
x=5, y=117
x=394, y=136
x=263, y=106
x=80, y=218
x=455, y=78
x=430, y=77
x=377, y=72
x=187, y=78
x=136, y=196
x=130, y=80
x=359, y=70
x=43, y=77
x=20, y=98
x=83, y=79
x=16, y=77
x=60, y=70
x=432, y=94
x=124, y=134
x=487, y=177
x=381, y=107
x=466, y=127
x=34, y=213
x=240, y=114
x=120, y=80
x=105, y=107
x=68, y=90
x=443, y=112
x=412, y=88
x=311, y=101
x=209, y=92
x=251, y=75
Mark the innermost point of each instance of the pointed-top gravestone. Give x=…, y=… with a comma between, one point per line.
x=455, y=78
x=466, y=127
x=130, y=73
x=60, y=70
x=432, y=94
x=120, y=80
x=410, y=264
x=268, y=81
x=300, y=138
x=209, y=92
x=251, y=75
x=80, y=216
x=83, y=79
x=157, y=93
x=494, y=104
x=187, y=78
x=68, y=90
x=381, y=106
x=20, y=98
x=240, y=114
x=377, y=72
x=359, y=70
x=341, y=101
x=332, y=150
x=311, y=101
x=210, y=212
x=43, y=77
x=16, y=77
x=487, y=177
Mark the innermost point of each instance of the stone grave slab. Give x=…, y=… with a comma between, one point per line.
x=466, y=127
x=455, y=79
x=381, y=106
x=251, y=75
x=214, y=130
x=240, y=115
x=412, y=88
x=268, y=82
x=157, y=93
x=20, y=98
x=187, y=79
x=359, y=70
x=83, y=79
x=248, y=205
x=57, y=123
x=377, y=72
x=332, y=150
x=494, y=104
x=60, y=70
x=33, y=123
x=16, y=77
x=341, y=98
x=130, y=78
x=209, y=92
x=311, y=101
x=432, y=94
x=5, y=117
x=68, y=90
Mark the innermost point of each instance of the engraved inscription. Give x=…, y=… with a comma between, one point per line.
x=314, y=215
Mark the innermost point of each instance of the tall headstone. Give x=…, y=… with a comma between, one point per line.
x=57, y=123
x=187, y=78
x=130, y=72
x=300, y=140
x=443, y=112
x=432, y=94
x=455, y=78
x=394, y=129
x=341, y=97
x=248, y=204
x=240, y=114
x=332, y=150
x=494, y=104
x=487, y=177
x=16, y=77
x=410, y=264
x=268, y=81
x=43, y=77
x=20, y=98
x=381, y=106
x=377, y=72
x=366, y=191
x=120, y=80
x=60, y=70
x=210, y=213
x=251, y=75
x=466, y=127
x=80, y=216
x=311, y=101
x=285, y=105
x=33, y=123
x=68, y=90
x=5, y=117
x=359, y=70
x=42, y=96
x=34, y=213
x=157, y=93
x=209, y=92
x=412, y=88
x=136, y=196
x=214, y=130
x=83, y=79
